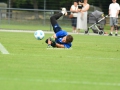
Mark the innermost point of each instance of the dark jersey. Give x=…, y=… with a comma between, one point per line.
x=60, y=34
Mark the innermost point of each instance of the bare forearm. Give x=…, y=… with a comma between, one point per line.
x=86, y=9
x=117, y=12
x=59, y=45
x=109, y=12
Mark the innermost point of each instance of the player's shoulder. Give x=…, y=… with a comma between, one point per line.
x=68, y=45
x=72, y=6
x=110, y=4
x=117, y=4
x=63, y=31
x=114, y=4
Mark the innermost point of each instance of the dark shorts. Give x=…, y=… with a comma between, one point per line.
x=56, y=28
x=74, y=21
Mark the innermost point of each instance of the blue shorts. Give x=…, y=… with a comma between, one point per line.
x=56, y=28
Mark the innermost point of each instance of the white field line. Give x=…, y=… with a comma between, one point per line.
x=30, y=31
x=59, y=48
x=3, y=49
x=64, y=81
x=49, y=32
x=24, y=31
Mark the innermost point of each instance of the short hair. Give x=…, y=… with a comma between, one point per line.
x=69, y=39
x=75, y=1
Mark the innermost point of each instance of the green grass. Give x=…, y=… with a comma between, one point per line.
x=32, y=27
x=92, y=64
x=40, y=24
x=41, y=27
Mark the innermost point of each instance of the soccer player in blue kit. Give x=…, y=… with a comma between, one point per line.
x=60, y=39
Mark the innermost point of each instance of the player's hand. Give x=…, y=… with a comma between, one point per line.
x=52, y=40
x=79, y=10
x=49, y=41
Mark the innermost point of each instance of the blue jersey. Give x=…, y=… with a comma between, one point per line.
x=60, y=34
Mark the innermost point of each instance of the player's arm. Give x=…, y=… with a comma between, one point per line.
x=53, y=36
x=56, y=44
x=51, y=41
x=59, y=45
x=86, y=9
x=117, y=13
x=72, y=10
x=109, y=12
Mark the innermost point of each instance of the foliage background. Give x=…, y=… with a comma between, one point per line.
x=55, y=4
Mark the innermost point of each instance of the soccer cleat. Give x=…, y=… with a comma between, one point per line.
x=116, y=34
x=110, y=34
x=64, y=11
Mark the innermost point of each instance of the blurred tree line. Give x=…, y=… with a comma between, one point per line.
x=54, y=4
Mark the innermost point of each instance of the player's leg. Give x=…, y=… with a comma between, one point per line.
x=111, y=26
x=53, y=20
x=74, y=22
x=116, y=26
x=55, y=25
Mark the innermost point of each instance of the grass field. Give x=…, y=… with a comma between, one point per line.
x=39, y=24
x=93, y=63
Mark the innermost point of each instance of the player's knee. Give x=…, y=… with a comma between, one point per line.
x=51, y=18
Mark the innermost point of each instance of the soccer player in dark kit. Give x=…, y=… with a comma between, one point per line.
x=60, y=39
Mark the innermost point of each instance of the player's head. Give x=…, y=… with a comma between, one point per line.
x=75, y=3
x=67, y=39
x=80, y=1
x=114, y=1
